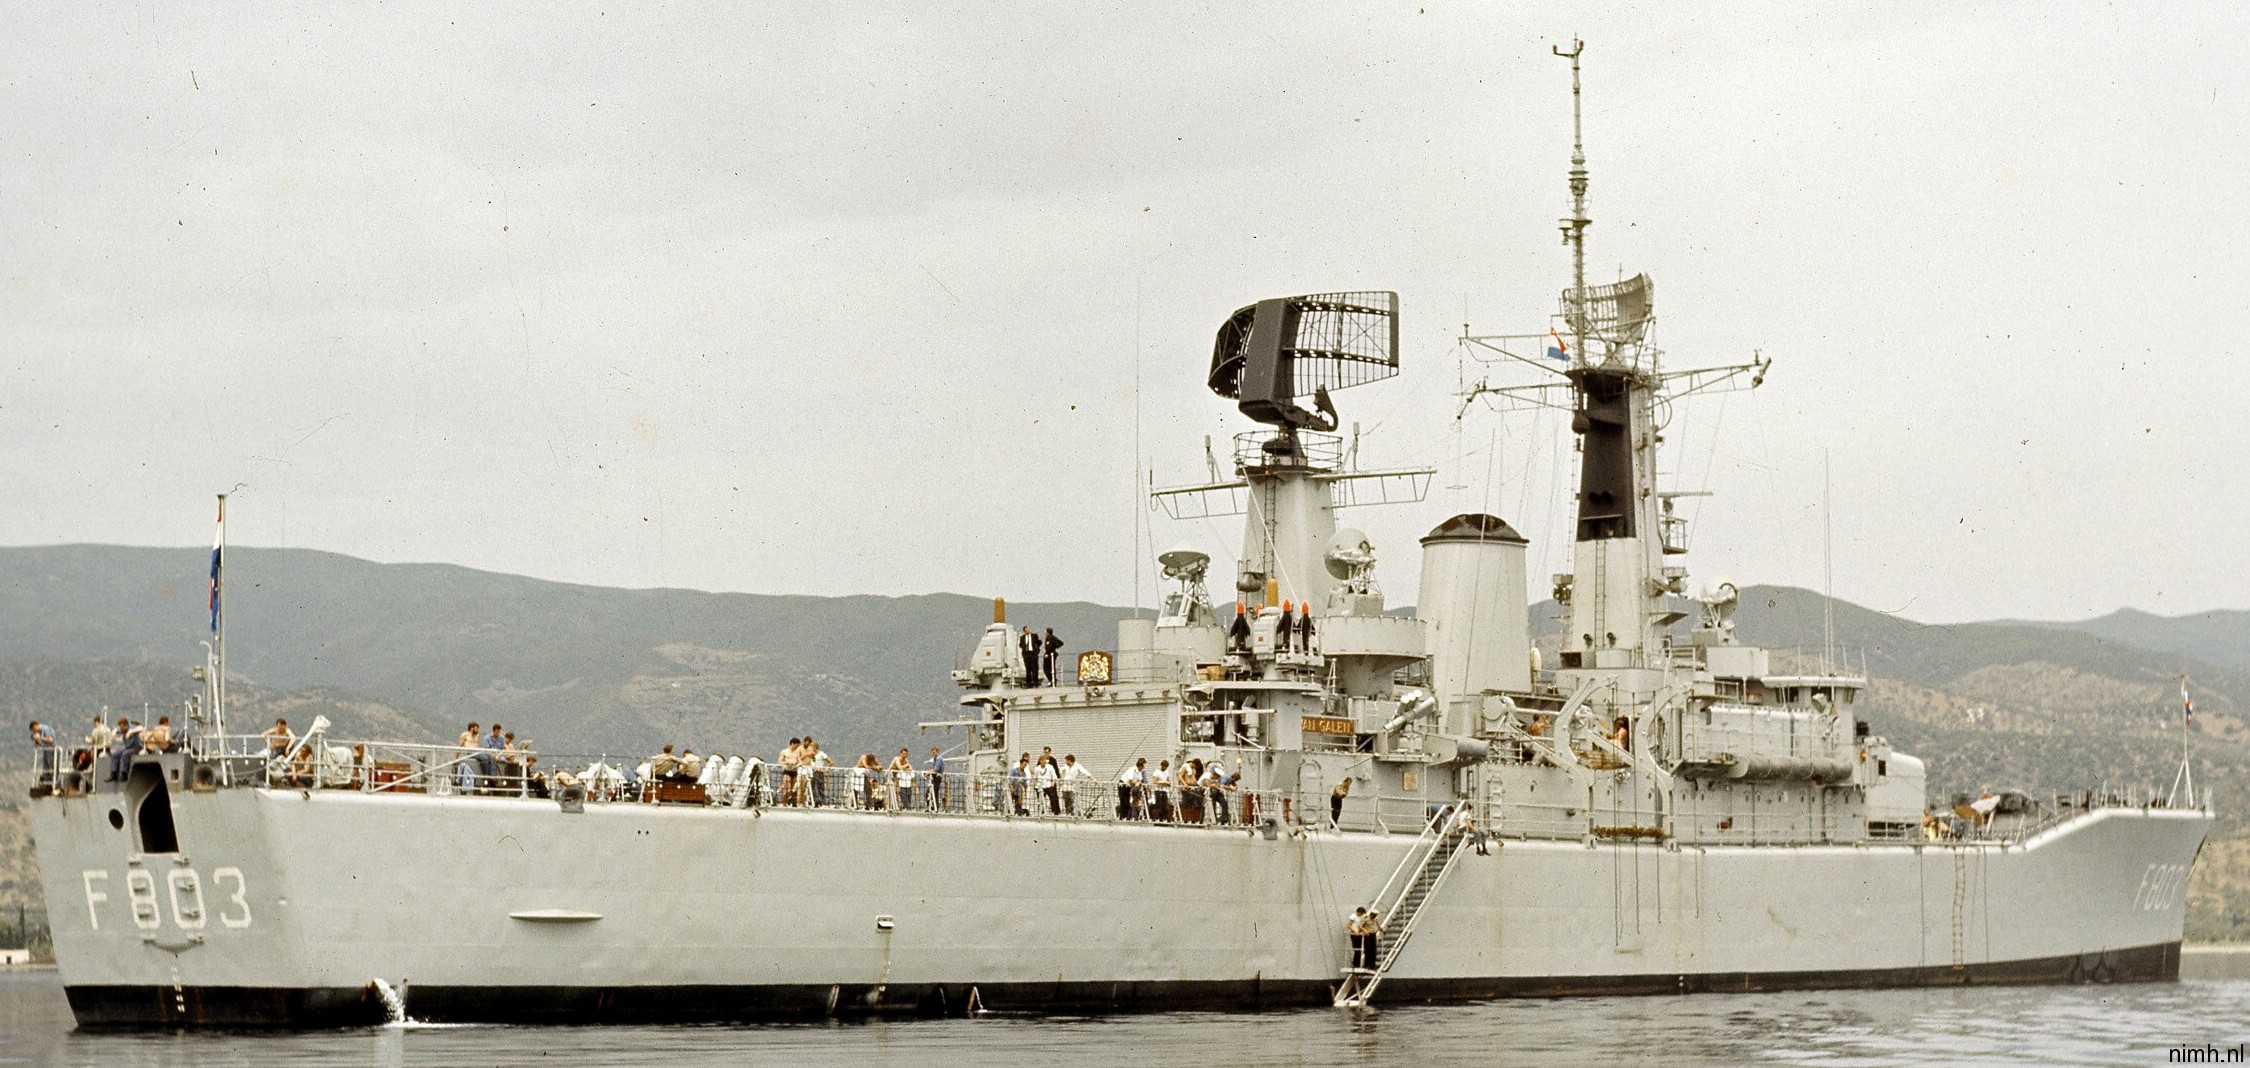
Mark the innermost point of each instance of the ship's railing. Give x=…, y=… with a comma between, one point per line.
x=1002, y=795
x=413, y=768
x=1517, y=819
x=66, y=769
x=1313, y=449
x=2042, y=811
x=49, y=765
x=321, y=762
x=2028, y=815
x=1403, y=814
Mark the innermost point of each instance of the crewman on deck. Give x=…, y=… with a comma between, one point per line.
x=1074, y=776
x=1032, y=650
x=1336, y=802
x=1049, y=648
x=1160, y=792
x=489, y=760
x=279, y=741
x=43, y=744
x=1465, y=825
x=1046, y=781
x=1371, y=947
x=464, y=773
x=121, y=751
x=1129, y=784
x=785, y=792
x=1363, y=927
x=1215, y=788
x=1019, y=780
x=158, y=739
x=813, y=774
x=902, y=779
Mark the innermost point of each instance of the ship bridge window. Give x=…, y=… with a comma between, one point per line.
x=151, y=801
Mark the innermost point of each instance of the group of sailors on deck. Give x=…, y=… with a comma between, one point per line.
x=1197, y=791
x=1193, y=791
x=112, y=745
x=497, y=763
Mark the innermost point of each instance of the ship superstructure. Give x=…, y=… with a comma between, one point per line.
x=1657, y=807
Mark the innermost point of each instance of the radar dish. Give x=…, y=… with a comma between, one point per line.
x=1184, y=562
x=1616, y=314
x=1718, y=598
x=1274, y=353
x=1718, y=591
x=1349, y=553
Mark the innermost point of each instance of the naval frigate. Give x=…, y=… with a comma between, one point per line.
x=1652, y=806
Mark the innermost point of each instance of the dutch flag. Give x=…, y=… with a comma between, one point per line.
x=1560, y=350
x=218, y=543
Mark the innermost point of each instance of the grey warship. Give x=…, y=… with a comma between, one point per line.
x=1645, y=805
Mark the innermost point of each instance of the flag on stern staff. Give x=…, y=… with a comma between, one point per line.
x=2187, y=707
x=218, y=542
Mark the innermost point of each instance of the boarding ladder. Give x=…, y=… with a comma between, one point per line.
x=1400, y=904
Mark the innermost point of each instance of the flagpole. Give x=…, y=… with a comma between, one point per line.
x=219, y=624
x=2186, y=774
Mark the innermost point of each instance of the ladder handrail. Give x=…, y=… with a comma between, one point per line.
x=1390, y=912
x=1417, y=855
x=1359, y=987
x=1390, y=952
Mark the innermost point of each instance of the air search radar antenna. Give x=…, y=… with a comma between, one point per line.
x=1279, y=360
x=1273, y=355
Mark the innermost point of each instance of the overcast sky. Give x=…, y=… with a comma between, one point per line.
x=781, y=298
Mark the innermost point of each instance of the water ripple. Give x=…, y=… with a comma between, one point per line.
x=2088, y=1025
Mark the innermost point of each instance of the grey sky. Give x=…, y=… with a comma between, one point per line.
x=780, y=299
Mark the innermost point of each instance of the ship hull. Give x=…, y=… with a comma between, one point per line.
x=127, y=1007
x=280, y=908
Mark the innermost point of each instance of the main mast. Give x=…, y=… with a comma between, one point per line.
x=1613, y=595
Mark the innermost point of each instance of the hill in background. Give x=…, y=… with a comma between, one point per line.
x=578, y=669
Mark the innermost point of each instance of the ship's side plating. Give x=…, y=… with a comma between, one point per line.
x=281, y=905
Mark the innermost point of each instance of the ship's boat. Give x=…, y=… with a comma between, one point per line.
x=1296, y=796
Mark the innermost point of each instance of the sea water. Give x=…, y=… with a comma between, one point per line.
x=2130, y=1024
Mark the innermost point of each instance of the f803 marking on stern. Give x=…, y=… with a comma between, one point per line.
x=182, y=890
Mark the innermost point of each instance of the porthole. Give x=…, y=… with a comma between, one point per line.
x=117, y=819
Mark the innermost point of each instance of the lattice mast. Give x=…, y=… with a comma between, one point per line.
x=1615, y=595
x=1574, y=227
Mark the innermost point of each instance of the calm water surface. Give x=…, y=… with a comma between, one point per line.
x=2125, y=1025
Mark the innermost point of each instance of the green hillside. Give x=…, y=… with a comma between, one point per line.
x=2221, y=637
x=578, y=669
